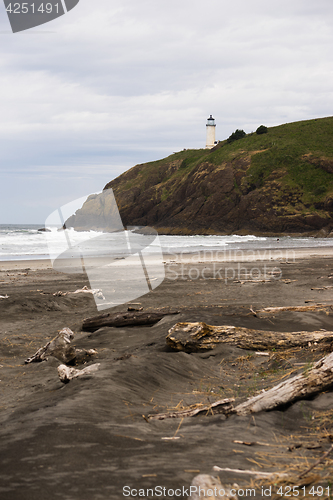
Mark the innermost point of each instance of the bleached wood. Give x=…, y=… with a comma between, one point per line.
x=66, y=373
x=313, y=307
x=255, y=473
x=198, y=336
x=61, y=348
x=314, y=380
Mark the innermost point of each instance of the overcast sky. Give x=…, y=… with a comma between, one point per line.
x=114, y=83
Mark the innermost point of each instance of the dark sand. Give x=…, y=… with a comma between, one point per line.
x=86, y=440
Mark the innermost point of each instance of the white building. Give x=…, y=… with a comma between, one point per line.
x=210, y=133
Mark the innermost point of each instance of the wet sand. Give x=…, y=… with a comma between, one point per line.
x=88, y=439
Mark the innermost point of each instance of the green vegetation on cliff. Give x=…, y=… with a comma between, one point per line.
x=275, y=182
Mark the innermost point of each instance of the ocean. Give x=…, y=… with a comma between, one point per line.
x=25, y=242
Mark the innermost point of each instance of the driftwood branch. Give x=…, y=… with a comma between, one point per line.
x=205, y=487
x=255, y=473
x=129, y=318
x=66, y=374
x=222, y=406
x=61, y=348
x=316, y=379
x=317, y=463
x=313, y=307
x=95, y=292
x=199, y=336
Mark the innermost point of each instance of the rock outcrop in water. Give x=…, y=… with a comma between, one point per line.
x=274, y=183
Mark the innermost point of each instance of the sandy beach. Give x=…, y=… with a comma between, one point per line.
x=91, y=439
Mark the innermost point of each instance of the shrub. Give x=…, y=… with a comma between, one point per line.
x=235, y=136
x=262, y=130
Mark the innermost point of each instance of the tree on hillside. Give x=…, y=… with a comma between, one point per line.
x=262, y=130
x=235, y=136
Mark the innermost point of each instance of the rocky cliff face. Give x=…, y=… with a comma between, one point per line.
x=280, y=182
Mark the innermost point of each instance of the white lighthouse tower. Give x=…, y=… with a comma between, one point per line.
x=210, y=132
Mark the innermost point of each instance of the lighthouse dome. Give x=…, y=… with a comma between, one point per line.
x=211, y=121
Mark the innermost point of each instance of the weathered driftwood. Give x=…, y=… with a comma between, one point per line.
x=222, y=406
x=193, y=337
x=66, y=373
x=95, y=292
x=61, y=348
x=313, y=307
x=255, y=473
x=316, y=379
x=129, y=318
x=205, y=487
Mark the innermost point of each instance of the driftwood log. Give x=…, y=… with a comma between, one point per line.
x=129, y=318
x=66, y=374
x=313, y=307
x=221, y=406
x=192, y=337
x=61, y=348
x=312, y=381
x=255, y=473
x=205, y=487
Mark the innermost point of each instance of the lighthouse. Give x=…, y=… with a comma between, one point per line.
x=210, y=133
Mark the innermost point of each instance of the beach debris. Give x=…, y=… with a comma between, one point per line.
x=321, y=460
x=253, y=312
x=4, y=296
x=257, y=474
x=129, y=318
x=206, y=487
x=316, y=379
x=222, y=406
x=323, y=288
x=250, y=443
x=198, y=336
x=314, y=307
x=60, y=347
x=66, y=373
x=95, y=292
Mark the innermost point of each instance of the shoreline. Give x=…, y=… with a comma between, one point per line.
x=198, y=257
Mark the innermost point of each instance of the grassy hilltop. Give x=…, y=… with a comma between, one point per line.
x=278, y=182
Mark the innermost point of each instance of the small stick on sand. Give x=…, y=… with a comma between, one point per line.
x=317, y=463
